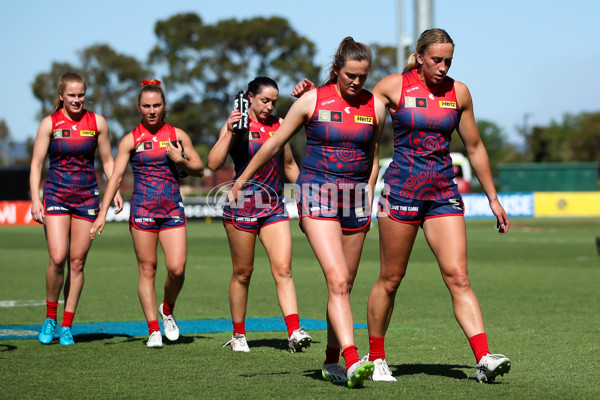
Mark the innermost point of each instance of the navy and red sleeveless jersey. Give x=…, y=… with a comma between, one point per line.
x=72, y=150
x=245, y=148
x=267, y=183
x=423, y=124
x=338, y=137
x=155, y=186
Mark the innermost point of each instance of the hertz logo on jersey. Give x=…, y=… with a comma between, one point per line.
x=164, y=143
x=61, y=133
x=330, y=116
x=87, y=133
x=363, y=120
x=447, y=104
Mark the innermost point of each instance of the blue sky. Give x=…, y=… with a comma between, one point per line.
x=518, y=57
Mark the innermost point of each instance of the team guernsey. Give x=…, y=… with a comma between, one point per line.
x=421, y=169
x=335, y=172
x=262, y=201
x=71, y=186
x=156, y=195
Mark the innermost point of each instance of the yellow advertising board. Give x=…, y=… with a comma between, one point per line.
x=567, y=204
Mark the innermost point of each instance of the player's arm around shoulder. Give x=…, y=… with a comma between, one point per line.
x=389, y=90
x=192, y=164
x=298, y=115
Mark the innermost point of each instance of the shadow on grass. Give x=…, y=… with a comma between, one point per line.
x=264, y=374
x=317, y=375
x=446, y=370
x=7, y=347
x=278, y=344
x=184, y=339
x=314, y=374
x=92, y=337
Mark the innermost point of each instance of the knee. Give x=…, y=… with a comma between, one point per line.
x=339, y=286
x=176, y=273
x=350, y=286
x=57, y=262
x=243, y=274
x=282, y=271
x=147, y=270
x=458, y=280
x=76, y=264
x=391, y=283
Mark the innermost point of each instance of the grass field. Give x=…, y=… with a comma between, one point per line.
x=538, y=286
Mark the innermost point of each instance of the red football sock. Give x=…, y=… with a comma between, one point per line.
x=332, y=356
x=479, y=344
x=153, y=327
x=350, y=355
x=239, y=327
x=292, y=322
x=68, y=319
x=376, y=348
x=168, y=308
x=51, y=309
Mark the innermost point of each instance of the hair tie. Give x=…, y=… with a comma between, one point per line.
x=151, y=82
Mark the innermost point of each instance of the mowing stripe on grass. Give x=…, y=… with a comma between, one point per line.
x=139, y=328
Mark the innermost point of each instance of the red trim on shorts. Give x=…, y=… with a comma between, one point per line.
x=133, y=225
x=445, y=215
x=366, y=225
x=274, y=222
x=83, y=218
x=239, y=228
x=173, y=227
x=51, y=214
x=69, y=215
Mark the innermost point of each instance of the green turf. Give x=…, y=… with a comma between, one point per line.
x=538, y=287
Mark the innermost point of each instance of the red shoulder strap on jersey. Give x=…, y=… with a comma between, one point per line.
x=136, y=133
x=172, y=134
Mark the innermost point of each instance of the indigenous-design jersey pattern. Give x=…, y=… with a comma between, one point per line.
x=338, y=137
x=155, y=186
x=263, y=194
x=72, y=150
x=423, y=124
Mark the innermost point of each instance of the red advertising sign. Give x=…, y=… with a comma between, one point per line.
x=16, y=213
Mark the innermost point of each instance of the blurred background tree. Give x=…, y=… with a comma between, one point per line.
x=6, y=143
x=574, y=139
x=206, y=65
